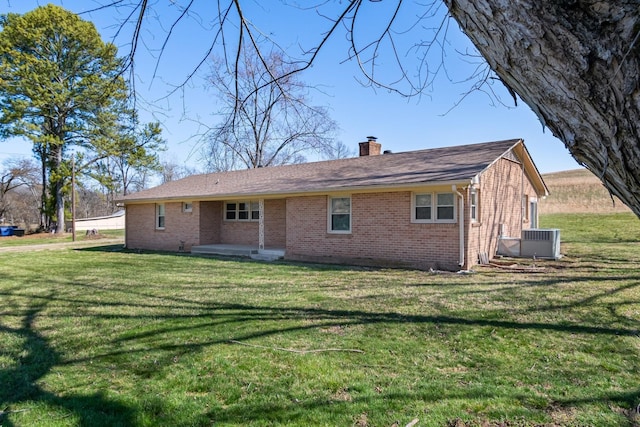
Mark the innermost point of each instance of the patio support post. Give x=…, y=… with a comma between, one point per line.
x=261, y=224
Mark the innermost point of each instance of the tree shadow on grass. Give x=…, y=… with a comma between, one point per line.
x=295, y=411
x=97, y=409
x=116, y=247
x=214, y=314
x=312, y=266
x=36, y=358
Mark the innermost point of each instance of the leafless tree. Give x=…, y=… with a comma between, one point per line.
x=24, y=207
x=264, y=122
x=91, y=203
x=575, y=63
x=170, y=171
x=339, y=150
x=16, y=173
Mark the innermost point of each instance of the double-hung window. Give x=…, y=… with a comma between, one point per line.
x=242, y=211
x=473, y=204
x=160, y=216
x=422, y=209
x=446, y=207
x=231, y=211
x=433, y=207
x=340, y=215
x=525, y=208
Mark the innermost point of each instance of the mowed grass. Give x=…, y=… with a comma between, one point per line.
x=105, y=337
x=49, y=238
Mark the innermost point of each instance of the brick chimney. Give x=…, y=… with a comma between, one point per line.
x=371, y=147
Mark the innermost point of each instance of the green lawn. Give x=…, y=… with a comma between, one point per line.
x=104, y=337
x=47, y=238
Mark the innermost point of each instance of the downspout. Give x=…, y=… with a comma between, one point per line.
x=461, y=221
x=260, y=225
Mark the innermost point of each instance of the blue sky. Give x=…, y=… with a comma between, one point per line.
x=445, y=115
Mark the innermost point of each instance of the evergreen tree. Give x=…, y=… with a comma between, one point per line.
x=61, y=88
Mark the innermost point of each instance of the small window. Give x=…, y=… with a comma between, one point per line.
x=422, y=209
x=340, y=214
x=446, y=207
x=533, y=210
x=242, y=211
x=187, y=207
x=160, y=216
x=230, y=214
x=255, y=211
x=525, y=208
x=473, y=205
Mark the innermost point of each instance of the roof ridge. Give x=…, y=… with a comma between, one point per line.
x=348, y=159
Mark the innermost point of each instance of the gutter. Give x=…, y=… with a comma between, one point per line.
x=294, y=193
x=126, y=220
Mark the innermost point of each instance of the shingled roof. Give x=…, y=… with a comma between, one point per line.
x=445, y=165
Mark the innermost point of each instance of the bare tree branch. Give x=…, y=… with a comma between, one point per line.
x=595, y=119
x=274, y=124
x=169, y=34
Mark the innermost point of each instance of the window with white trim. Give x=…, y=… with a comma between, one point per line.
x=525, y=208
x=187, y=207
x=339, y=215
x=422, y=207
x=160, y=216
x=433, y=207
x=255, y=211
x=533, y=209
x=242, y=211
x=473, y=204
x=446, y=207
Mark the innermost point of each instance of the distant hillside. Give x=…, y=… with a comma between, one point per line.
x=577, y=191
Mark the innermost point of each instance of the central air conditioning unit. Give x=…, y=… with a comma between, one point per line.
x=540, y=243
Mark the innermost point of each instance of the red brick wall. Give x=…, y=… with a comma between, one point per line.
x=239, y=233
x=204, y=225
x=179, y=227
x=210, y=221
x=381, y=233
x=275, y=223
x=247, y=232
x=500, y=195
x=139, y=225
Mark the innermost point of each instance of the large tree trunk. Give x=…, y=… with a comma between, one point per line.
x=59, y=208
x=576, y=63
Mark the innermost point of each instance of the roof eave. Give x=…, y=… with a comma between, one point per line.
x=532, y=171
x=323, y=191
x=529, y=166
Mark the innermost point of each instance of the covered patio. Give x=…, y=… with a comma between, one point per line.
x=249, y=251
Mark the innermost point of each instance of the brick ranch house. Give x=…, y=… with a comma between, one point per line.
x=441, y=208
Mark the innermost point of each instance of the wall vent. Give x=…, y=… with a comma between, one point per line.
x=540, y=243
